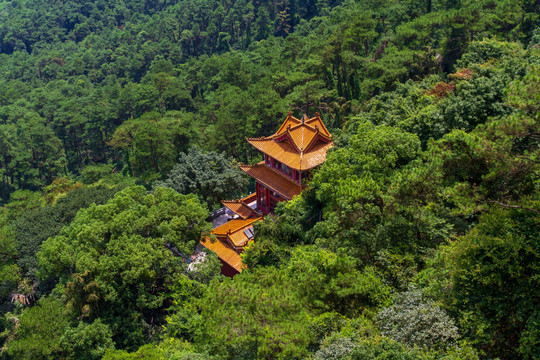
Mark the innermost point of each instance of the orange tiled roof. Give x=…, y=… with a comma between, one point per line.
x=240, y=208
x=250, y=198
x=233, y=230
x=225, y=252
x=239, y=238
x=284, y=152
x=232, y=226
x=299, y=144
x=313, y=123
x=272, y=179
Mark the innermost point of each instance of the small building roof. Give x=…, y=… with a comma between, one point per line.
x=272, y=179
x=249, y=198
x=240, y=208
x=225, y=252
x=299, y=144
x=233, y=231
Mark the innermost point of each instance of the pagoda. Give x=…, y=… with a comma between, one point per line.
x=299, y=146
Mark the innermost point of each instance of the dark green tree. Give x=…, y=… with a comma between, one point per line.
x=493, y=288
x=212, y=176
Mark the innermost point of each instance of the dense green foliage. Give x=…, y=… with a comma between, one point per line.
x=105, y=80
x=115, y=259
x=121, y=124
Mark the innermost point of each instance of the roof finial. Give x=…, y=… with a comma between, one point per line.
x=290, y=113
x=317, y=114
x=304, y=118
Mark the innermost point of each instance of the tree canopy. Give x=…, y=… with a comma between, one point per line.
x=121, y=127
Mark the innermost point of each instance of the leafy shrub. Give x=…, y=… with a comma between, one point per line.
x=414, y=321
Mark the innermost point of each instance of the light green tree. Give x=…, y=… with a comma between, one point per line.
x=117, y=260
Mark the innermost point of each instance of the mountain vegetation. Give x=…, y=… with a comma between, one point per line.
x=121, y=125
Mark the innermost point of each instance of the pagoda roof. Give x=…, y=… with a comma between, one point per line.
x=240, y=208
x=224, y=251
x=299, y=144
x=284, y=153
x=272, y=179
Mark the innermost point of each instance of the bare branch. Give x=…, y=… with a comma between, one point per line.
x=513, y=206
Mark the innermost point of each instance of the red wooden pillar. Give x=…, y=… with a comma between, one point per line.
x=267, y=200
x=258, y=191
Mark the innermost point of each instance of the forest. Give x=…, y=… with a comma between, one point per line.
x=122, y=123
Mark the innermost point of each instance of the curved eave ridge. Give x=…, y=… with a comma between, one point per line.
x=289, y=121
